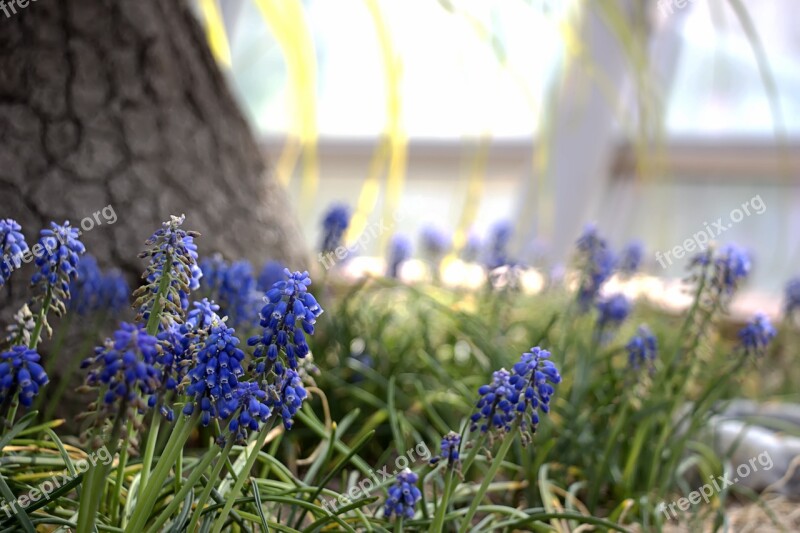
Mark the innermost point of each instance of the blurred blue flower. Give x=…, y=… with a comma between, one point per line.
x=472, y=248
x=334, y=224
x=57, y=263
x=214, y=269
x=642, y=348
x=215, y=376
x=271, y=273
x=517, y=395
x=403, y=496
x=287, y=396
x=126, y=366
x=732, y=266
x=238, y=296
x=756, y=335
x=289, y=315
x=434, y=242
x=399, y=253
x=450, y=450
x=612, y=310
x=596, y=264
x=12, y=248
x=631, y=258
x=114, y=292
x=791, y=296
x=499, y=240
x=85, y=287
x=173, y=249
x=21, y=373
x=93, y=291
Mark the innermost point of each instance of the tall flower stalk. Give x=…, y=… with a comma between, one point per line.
x=511, y=404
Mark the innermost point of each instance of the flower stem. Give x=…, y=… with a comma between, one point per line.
x=155, y=313
x=194, y=521
x=94, y=481
x=123, y=461
x=237, y=488
x=193, y=478
x=149, y=450
x=441, y=507
x=144, y=506
x=41, y=317
x=487, y=479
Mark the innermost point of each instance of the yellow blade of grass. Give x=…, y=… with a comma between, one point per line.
x=215, y=32
x=286, y=20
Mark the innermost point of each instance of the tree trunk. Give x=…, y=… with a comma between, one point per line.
x=119, y=102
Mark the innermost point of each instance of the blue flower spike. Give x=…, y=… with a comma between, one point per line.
x=172, y=253
x=287, y=317
x=449, y=451
x=12, y=248
x=125, y=368
x=757, y=335
x=21, y=375
x=57, y=265
x=517, y=397
x=403, y=496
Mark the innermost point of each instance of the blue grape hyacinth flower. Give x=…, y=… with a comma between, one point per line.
x=172, y=251
x=642, y=348
x=249, y=408
x=334, y=224
x=631, y=258
x=92, y=291
x=434, y=242
x=114, y=292
x=238, y=295
x=612, y=310
x=214, y=269
x=517, y=396
x=499, y=240
x=288, y=316
x=449, y=450
x=21, y=374
x=596, y=261
x=403, y=496
x=126, y=367
x=756, y=336
x=791, y=297
x=732, y=266
x=12, y=248
x=271, y=273
x=399, y=253
x=57, y=264
x=287, y=396
x=85, y=287
x=729, y=267
x=215, y=377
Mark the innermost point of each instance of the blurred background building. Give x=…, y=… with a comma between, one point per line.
x=653, y=119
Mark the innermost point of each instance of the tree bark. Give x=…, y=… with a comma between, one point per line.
x=119, y=102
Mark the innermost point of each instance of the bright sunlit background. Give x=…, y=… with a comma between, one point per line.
x=650, y=119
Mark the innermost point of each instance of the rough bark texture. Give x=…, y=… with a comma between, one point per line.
x=119, y=102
